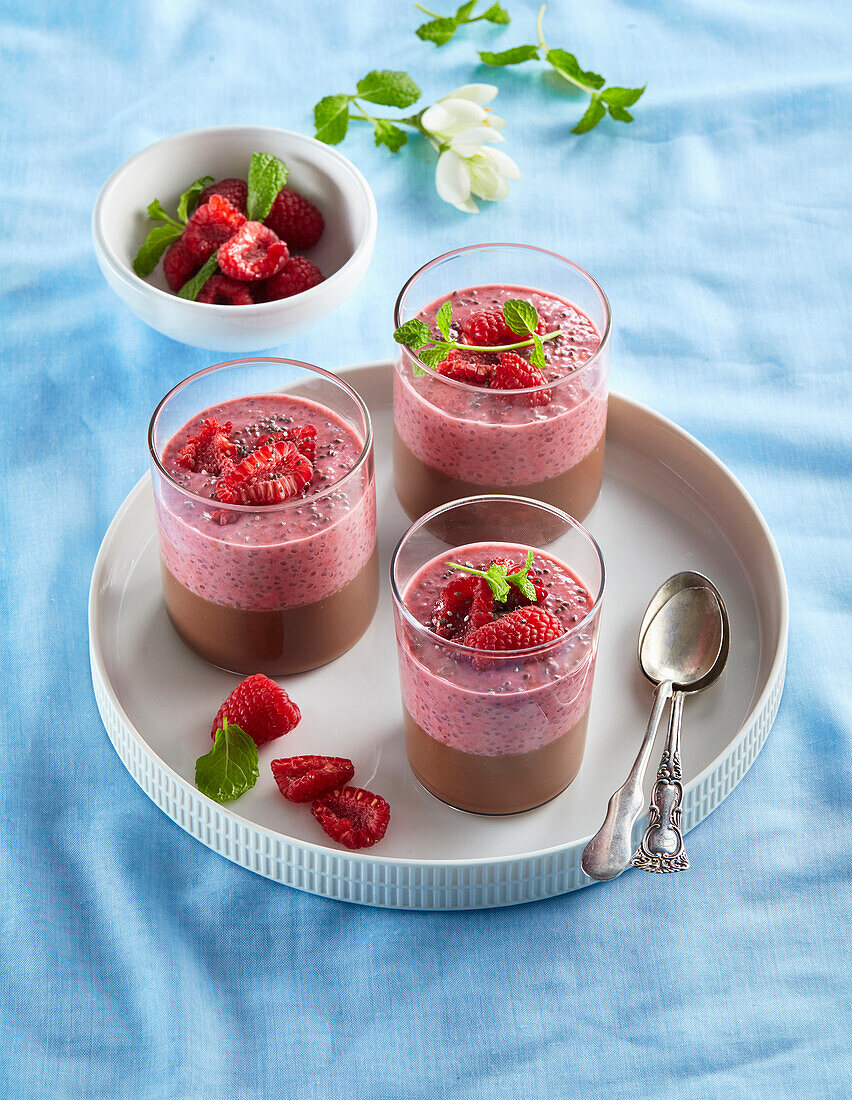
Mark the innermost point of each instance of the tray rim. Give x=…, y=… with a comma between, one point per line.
x=755, y=727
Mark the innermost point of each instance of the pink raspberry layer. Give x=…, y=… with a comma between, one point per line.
x=518, y=705
x=278, y=557
x=476, y=436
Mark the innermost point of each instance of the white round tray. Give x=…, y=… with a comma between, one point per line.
x=667, y=504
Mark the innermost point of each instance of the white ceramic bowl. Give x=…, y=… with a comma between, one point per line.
x=166, y=168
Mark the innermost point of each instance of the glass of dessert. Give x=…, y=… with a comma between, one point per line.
x=497, y=604
x=265, y=497
x=522, y=414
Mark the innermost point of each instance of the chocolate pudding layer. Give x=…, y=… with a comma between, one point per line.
x=506, y=784
x=277, y=642
x=420, y=488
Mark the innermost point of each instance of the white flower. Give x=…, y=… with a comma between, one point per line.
x=459, y=126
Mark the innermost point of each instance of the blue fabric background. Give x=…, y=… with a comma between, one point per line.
x=135, y=963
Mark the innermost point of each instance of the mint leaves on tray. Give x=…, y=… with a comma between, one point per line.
x=230, y=768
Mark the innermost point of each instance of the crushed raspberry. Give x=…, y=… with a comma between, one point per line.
x=219, y=290
x=272, y=473
x=304, y=778
x=179, y=265
x=353, y=817
x=210, y=226
x=223, y=517
x=515, y=373
x=297, y=275
x=461, y=368
x=304, y=439
x=211, y=450
x=465, y=602
x=295, y=220
x=516, y=598
x=254, y=252
x=234, y=190
x=523, y=628
x=261, y=708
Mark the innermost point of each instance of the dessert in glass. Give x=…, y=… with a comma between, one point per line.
x=485, y=422
x=265, y=497
x=497, y=604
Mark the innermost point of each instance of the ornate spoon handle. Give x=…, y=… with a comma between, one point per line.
x=662, y=848
x=608, y=852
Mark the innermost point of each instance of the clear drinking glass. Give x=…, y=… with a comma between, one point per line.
x=496, y=732
x=276, y=588
x=452, y=439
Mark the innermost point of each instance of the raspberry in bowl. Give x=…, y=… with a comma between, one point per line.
x=492, y=421
x=265, y=497
x=497, y=604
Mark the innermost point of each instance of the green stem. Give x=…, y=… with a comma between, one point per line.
x=362, y=116
x=426, y=11
x=510, y=347
x=542, y=45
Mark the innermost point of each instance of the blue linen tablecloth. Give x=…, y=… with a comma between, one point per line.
x=133, y=961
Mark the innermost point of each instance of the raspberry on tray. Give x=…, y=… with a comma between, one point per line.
x=261, y=708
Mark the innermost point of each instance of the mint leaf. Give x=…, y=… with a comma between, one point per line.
x=621, y=97
x=413, y=334
x=331, y=118
x=443, y=319
x=521, y=579
x=230, y=768
x=496, y=14
x=192, y=289
x=388, y=134
x=619, y=114
x=433, y=356
x=439, y=31
x=516, y=56
x=157, y=214
x=520, y=316
x=464, y=11
x=156, y=243
x=390, y=88
x=190, y=194
x=594, y=113
x=537, y=353
x=567, y=64
x=266, y=176
x=419, y=371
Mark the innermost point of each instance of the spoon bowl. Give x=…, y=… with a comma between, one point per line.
x=684, y=639
x=675, y=584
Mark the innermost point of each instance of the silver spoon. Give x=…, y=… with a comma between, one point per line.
x=678, y=648
x=661, y=849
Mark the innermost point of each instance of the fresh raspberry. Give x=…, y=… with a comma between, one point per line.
x=516, y=598
x=219, y=290
x=211, y=450
x=261, y=708
x=234, y=190
x=465, y=602
x=254, y=252
x=463, y=369
x=297, y=275
x=272, y=473
x=304, y=778
x=295, y=220
x=179, y=265
x=488, y=327
x=210, y=226
x=523, y=628
x=352, y=816
x=516, y=373
x=304, y=440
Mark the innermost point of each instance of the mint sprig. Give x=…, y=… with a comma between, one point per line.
x=266, y=176
x=614, y=100
x=521, y=317
x=230, y=768
x=161, y=236
x=387, y=87
x=441, y=28
x=500, y=581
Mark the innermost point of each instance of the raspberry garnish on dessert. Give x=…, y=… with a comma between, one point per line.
x=477, y=597
x=261, y=708
x=210, y=226
x=253, y=252
x=523, y=628
x=488, y=326
x=463, y=602
x=269, y=475
x=352, y=816
x=304, y=778
x=295, y=220
x=211, y=450
x=304, y=439
x=463, y=368
x=515, y=373
x=297, y=275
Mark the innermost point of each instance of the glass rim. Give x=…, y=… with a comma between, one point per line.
x=310, y=368
x=509, y=654
x=469, y=387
